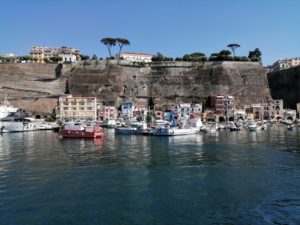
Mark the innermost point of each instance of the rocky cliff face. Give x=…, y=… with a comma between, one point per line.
x=25, y=84
x=33, y=86
x=171, y=82
x=285, y=84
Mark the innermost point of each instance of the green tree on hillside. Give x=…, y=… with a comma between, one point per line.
x=56, y=59
x=109, y=42
x=121, y=42
x=84, y=57
x=94, y=57
x=233, y=47
x=255, y=56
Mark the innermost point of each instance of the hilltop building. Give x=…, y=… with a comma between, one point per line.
x=286, y=63
x=136, y=56
x=67, y=54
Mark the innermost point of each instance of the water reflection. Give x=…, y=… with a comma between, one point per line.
x=217, y=178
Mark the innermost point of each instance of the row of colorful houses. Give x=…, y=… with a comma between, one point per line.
x=221, y=108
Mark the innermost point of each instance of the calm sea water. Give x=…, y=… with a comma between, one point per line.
x=222, y=178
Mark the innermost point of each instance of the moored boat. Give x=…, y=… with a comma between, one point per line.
x=252, y=126
x=81, y=131
x=16, y=122
x=133, y=128
x=173, y=131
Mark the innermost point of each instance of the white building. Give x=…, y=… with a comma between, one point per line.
x=77, y=108
x=68, y=57
x=106, y=113
x=136, y=56
x=127, y=110
x=67, y=54
x=286, y=63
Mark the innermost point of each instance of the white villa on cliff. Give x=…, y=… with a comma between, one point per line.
x=136, y=56
x=286, y=63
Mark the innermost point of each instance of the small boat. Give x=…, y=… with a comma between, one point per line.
x=133, y=128
x=44, y=126
x=290, y=127
x=252, y=126
x=173, y=131
x=233, y=127
x=81, y=131
x=110, y=123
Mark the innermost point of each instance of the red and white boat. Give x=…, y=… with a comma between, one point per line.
x=81, y=131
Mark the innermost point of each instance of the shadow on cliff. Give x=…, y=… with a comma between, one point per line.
x=58, y=70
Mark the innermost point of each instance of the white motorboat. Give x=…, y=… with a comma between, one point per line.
x=173, y=131
x=252, y=126
x=110, y=123
x=233, y=127
x=133, y=128
x=45, y=126
x=17, y=122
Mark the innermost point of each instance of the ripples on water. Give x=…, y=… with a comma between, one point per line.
x=218, y=178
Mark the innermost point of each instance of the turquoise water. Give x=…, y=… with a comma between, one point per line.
x=221, y=178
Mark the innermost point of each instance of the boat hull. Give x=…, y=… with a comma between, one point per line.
x=14, y=126
x=126, y=131
x=80, y=134
x=173, y=131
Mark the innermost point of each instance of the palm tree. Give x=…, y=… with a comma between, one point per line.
x=121, y=42
x=109, y=42
x=233, y=47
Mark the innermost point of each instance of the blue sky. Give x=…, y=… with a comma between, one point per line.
x=172, y=27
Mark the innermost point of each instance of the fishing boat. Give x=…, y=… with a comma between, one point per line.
x=81, y=131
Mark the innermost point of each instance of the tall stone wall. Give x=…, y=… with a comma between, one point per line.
x=165, y=84
x=170, y=82
x=25, y=84
x=285, y=84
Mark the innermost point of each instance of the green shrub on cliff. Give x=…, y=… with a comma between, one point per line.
x=255, y=56
x=195, y=57
x=161, y=58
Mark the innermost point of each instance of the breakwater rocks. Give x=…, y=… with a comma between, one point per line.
x=285, y=84
x=168, y=83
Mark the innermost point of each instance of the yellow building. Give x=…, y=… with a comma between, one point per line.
x=77, y=108
x=39, y=53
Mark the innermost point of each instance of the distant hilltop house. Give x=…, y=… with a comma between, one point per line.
x=286, y=63
x=41, y=53
x=136, y=56
x=9, y=55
